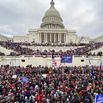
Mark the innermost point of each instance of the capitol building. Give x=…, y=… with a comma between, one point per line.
x=51, y=31
x=37, y=45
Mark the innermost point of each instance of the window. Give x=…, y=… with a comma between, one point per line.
x=23, y=60
x=82, y=60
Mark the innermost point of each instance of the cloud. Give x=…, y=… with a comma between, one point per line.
x=17, y=16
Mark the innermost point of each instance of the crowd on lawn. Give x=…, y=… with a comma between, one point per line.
x=50, y=85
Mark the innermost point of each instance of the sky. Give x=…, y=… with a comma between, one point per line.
x=84, y=16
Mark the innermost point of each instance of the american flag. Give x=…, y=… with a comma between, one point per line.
x=54, y=63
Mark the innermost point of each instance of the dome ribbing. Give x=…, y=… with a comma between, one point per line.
x=52, y=19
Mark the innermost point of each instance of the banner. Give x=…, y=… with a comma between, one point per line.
x=66, y=59
x=99, y=98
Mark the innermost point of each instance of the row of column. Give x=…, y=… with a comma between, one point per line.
x=52, y=37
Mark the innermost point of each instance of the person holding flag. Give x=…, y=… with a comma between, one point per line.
x=54, y=63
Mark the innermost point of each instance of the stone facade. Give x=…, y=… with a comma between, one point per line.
x=51, y=31
x=53, y=36
x=20, y=38
x=4, y=38
x=98, y=39
x=84, y=40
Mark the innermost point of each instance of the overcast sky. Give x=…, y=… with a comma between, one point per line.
x=84, y=16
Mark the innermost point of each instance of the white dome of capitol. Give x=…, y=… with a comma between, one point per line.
x=52, y=18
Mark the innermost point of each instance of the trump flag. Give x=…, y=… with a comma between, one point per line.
x=66, y=59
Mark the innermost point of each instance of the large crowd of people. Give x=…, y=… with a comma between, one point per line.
x=20, y=50
x=50, y=85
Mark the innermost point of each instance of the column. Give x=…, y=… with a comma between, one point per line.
x=42, y=38
x=65, y=38
x=59, y=39
x=62, y=38
x=39, y=38
x=50, y=38
x=45, y=38
x=54, y=38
